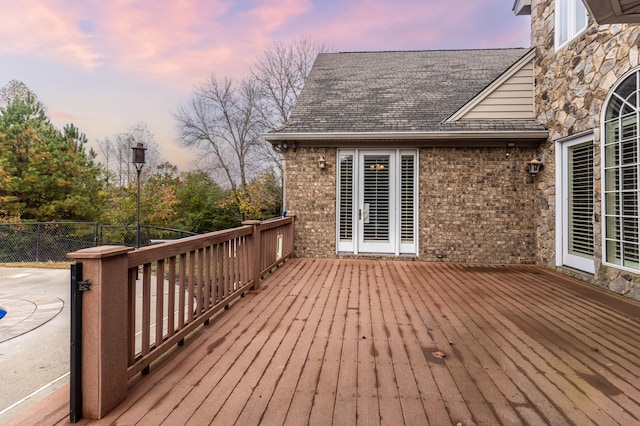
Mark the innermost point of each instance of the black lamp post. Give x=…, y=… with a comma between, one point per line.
x=138, y=162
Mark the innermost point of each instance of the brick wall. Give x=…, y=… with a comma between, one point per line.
x=476, y=205
x=311, y=196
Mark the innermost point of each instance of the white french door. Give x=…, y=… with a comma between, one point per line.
x=376, y=205
x=577, y=204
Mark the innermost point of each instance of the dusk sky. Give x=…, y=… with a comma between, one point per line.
x=107, y=65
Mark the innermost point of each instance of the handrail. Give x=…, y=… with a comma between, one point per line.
x=277, y=243
x=167, y=291
x=203, y=275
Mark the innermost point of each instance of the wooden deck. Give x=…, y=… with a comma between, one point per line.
x=372, y=342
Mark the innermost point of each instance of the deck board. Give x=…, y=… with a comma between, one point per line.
x=326, y=341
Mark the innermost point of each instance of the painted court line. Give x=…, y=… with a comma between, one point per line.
x=32, y=394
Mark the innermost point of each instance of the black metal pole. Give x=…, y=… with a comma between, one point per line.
x=76, y=344
x=138, y=169
x=38, y=244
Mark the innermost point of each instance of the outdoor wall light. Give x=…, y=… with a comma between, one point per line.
x=322, y=162
x=534, y=166
x=283, y=147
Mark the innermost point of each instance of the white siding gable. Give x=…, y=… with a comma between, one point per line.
x=509, y=97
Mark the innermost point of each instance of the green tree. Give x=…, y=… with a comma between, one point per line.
x=204, y=205
x=263, y=197
x=159, y=196
x=121, y=202
x=46, y=174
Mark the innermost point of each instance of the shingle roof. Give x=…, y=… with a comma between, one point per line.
x=410, y=91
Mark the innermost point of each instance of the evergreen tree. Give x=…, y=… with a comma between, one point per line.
x=47, y=174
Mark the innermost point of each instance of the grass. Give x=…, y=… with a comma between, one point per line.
x=43, y=265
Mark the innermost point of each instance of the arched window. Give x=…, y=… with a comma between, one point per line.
x=621, y=167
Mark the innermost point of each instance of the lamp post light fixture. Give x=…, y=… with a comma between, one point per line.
x=138, y=162
x=534, y=166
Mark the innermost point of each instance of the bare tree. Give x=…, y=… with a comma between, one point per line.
x=15, y=89
x=115, y=154
x=223, y=117
x=280, y=74
x=226, y=119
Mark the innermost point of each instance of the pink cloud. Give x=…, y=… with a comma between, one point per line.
x=379, y=24
x=181, y=42
x=417, y=24
x=35, y=28
x=60, y=116
x=272, y=14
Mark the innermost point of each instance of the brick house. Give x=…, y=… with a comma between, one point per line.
x=426, y=154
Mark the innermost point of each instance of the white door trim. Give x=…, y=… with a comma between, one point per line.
x=563, y=258
x=350, y=238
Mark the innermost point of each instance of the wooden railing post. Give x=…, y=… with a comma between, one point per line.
x=254, y=252
x=291, y=234
x=104, y=328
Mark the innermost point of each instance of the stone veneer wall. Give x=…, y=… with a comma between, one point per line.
x=572, y=84
x=476, y=204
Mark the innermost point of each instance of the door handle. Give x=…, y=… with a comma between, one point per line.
x=365, y=213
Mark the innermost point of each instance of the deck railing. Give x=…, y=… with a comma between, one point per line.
x=144, y=302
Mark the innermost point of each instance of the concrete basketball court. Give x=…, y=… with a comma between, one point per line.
x=34, y=336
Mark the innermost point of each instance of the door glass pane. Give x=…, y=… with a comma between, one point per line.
x=407, y=194
x=346, y=198
x=375, y=212
x=581, y=200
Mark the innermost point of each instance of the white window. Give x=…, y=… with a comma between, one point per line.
x=571, y=19
x=621, y=171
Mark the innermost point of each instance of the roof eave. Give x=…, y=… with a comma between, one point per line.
x=522, y=7
x=444, y=135
x=613, y=11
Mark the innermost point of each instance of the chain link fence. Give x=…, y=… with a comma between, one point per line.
x=51, y=241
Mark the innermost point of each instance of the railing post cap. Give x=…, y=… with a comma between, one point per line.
x=99, y=252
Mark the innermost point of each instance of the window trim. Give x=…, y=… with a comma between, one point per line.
x=569, y=21
x=603, y=167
